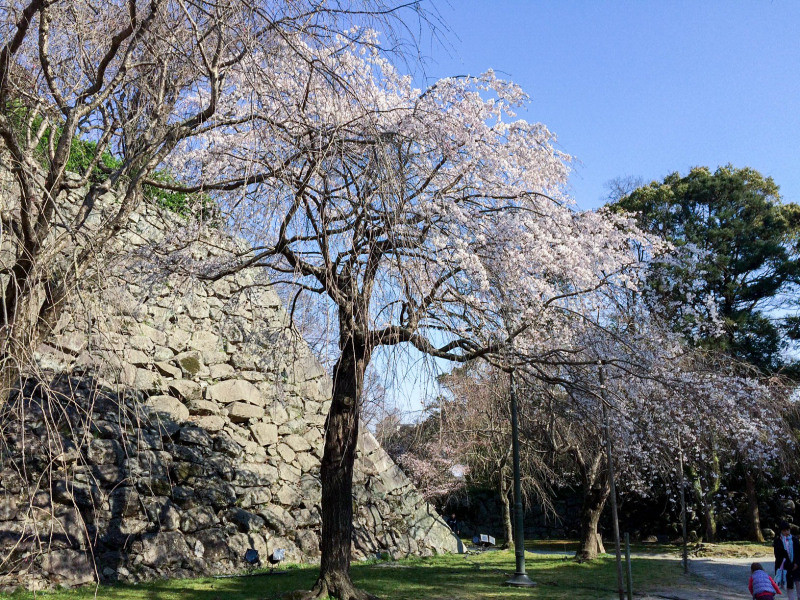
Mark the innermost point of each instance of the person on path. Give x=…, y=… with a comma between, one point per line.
x=787, y=557
x=761, y=585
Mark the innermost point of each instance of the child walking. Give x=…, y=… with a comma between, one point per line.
x=761, y=585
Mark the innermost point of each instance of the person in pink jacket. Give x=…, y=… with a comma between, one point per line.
x=761, y=585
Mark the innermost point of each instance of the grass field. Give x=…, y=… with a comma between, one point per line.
x=730, y=549
x=696, y=550
x=448, y=577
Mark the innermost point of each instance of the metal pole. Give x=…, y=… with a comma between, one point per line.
x=520, y=578
x=684, y=524
x=612, y=485
x=629, y=572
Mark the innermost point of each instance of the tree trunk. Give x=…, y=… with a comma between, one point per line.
x=336, y=473
x=28, y=316
x=709, y=522
x=752, y=508
x=595, y=493
x=17, y=342
x=12, y=330
x=708, y=516
x=591, y=542
x=24, y=324
x=506, y=504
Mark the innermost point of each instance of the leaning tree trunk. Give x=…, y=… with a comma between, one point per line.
x=336, y=474
x=752, y=508
x=34, y=297
x=506, y=504
x=28, y=318
x=15, y=351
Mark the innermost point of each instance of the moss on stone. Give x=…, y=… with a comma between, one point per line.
x=190, y=364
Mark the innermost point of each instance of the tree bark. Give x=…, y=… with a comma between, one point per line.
x=710, y=511
x=595, y=493
x=709, y=522
x=752, y=508
x=26, y=319
x=10, y=376
x=17, y=336
x=508, y=531
x=708, y=516
x=336, y=473
x=591, y=542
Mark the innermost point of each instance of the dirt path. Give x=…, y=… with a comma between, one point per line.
x=713, y=579
x=709, y=578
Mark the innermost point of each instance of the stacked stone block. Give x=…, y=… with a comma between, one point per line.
x=176, y=422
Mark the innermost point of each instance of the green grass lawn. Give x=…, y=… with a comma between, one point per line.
x=447, y=577
x=730, y=549
x=696, y=550
x=570, y=547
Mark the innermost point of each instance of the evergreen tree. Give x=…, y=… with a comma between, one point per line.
x=736, y=259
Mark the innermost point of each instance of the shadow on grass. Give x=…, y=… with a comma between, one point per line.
x=482, y=577
x=246, y=587
x=450, y=577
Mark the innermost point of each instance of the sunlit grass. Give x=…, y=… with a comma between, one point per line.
x=447, y=577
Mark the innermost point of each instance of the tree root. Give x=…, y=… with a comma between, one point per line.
x=335, y=586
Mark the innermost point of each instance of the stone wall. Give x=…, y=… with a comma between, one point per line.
x=174, y=424
x=481, y=512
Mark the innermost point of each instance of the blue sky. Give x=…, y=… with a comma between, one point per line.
x=634, y=89
x=642, y=88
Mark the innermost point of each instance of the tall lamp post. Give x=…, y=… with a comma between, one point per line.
x=684, y=525
x=611, y=483
x=520, y=578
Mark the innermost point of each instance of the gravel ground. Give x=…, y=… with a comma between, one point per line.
x=712, y=578
x=715, y=579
